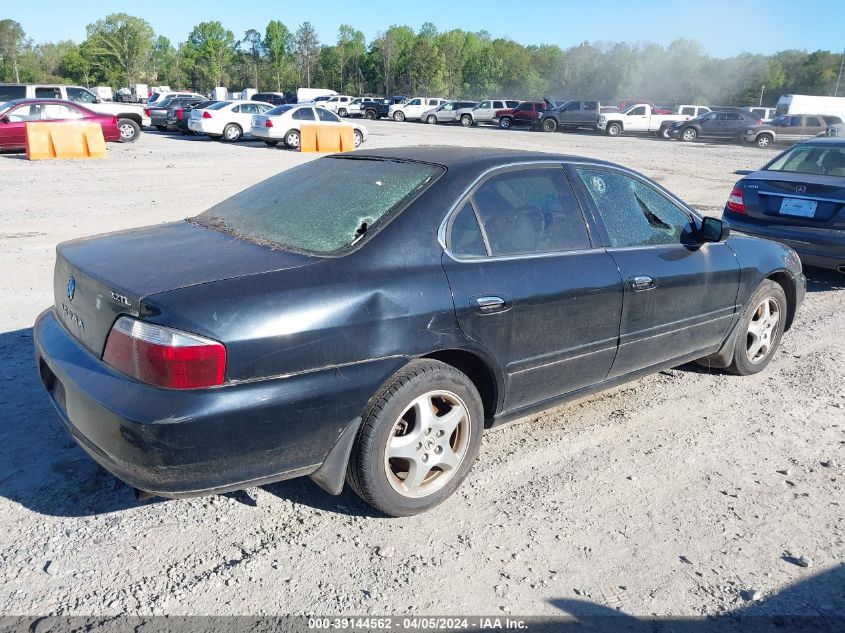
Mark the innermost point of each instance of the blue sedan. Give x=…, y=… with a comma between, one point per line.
x=798, y=198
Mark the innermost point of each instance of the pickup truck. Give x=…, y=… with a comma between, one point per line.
x=412, y=109
x=638, y=118
x=380, y=108
x=525, y=114
x=570, y=115
x=130, y=117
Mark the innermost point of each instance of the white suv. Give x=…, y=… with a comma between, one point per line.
x=339, y=104
x=413, y=109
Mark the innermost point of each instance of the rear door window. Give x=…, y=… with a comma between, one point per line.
x=304, y=114
x=44, y=92
x=60, y=112
x=326, y=116
x=80, y=95
x=466, y=239
x=530, y=211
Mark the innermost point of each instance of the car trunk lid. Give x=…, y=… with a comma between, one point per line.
x=97, y=279
x=795, y=198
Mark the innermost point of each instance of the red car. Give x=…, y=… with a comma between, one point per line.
x=526, y=113
x=14, y=116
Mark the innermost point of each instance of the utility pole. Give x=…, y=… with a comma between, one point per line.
x=762, y=89
x=842, y=63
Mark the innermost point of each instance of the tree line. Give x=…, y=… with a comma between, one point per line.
x=121, y=49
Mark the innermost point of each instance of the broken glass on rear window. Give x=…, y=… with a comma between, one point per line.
x=321, y=207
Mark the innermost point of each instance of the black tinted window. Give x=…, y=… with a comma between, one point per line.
x=633, y=213
x=8, y=93
x=466, y=239
x=48, y=93
x=530, y=211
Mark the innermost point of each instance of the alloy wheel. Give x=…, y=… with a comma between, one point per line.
x=427, y=444
x=762, y=330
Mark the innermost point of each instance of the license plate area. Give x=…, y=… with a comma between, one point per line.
x=798, y=207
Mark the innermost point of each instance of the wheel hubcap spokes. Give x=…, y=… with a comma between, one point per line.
x=427, y=444
x=761, y=330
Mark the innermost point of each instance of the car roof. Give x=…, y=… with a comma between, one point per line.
x=482, y=157
x=825, y=140
x=46, y=100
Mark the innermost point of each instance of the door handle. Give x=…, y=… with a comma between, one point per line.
x=642, y=282
x=490, y=303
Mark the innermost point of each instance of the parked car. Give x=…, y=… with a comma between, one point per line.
x=381, y=108
x=130, y=117
x=412, y=109
x=184, y=122
x=798, y=199
x=180, y=109
x=524, y=115
x=282, y=124
x=836, y=129
x=349, y=319
x=156, y=98
x=339, y=104
x=446, y=113
x=485, y=111
x=570, y=115
x=158, y=112
x=273, y=98
x=638, y=118
x=719, y=124
x=15, y=114
x=226, y=120
x=787, y=129
x=356, y=106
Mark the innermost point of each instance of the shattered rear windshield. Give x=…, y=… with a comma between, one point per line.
x=321, y=207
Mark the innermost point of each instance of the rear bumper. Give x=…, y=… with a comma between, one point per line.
x=187, y=443
x=824, y=248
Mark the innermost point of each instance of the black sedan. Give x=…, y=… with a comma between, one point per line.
x=797, y=198
x=723, y=124
x=364, y=317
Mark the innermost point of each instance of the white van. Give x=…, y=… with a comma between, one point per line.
x=811, y=104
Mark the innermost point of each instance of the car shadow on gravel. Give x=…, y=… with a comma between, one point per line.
x=305, y=492
x=41, y=467
x=822, y=280
x=814, y=604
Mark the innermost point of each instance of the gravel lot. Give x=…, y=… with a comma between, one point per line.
x=678, y=494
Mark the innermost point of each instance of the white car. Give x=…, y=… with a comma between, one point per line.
x=413, y=109
x=281, y=124
x=356, y=106
x=226, y=120
x=339, y=104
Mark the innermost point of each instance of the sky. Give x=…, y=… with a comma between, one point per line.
x=724, y=27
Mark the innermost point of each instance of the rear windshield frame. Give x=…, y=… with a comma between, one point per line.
x=372, y=230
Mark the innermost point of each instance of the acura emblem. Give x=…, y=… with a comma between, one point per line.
x=801, y=189
x=71, y=288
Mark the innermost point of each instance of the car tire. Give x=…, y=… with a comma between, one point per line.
x=466, y=120
x=760, y=329
x=505, y=123
x=399, y=116
x=549, y=125
x=292, y=139
x=664, y=133
x=417, y=403
x=129, y=130
x=688, y=134
x=370, y=115
x=232, y=133
x=342, y=112
x=614, y=129
x=431, y=120
x=764, y=140
x=358, y=136
x=271, y=143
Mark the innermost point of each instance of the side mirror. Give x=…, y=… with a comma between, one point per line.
x=714, y=230
x=4, y=119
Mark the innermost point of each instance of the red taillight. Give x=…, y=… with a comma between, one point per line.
x=206, y=114
x=179, y=114
x=164, y=357
x=146, y=112
x=268, y=123
x=735, y=201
